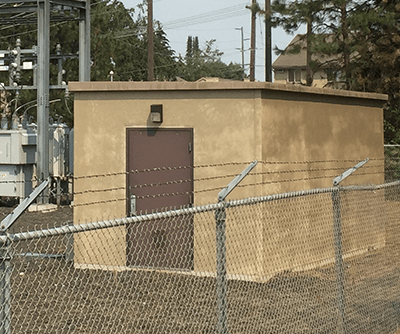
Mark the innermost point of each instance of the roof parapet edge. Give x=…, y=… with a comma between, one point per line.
x=131, y=86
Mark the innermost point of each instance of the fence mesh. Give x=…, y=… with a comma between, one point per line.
x=158, y=273
x=392, y=162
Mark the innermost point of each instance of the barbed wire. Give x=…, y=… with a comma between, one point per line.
x=161, y=183
x=210, y=178
x=302, y=179
x=165, y=195
x=99, y=175
x=90, y=191
x=98, y=202
x=219, y=177
x=311, y=170
x=16, y=181
x=155, y=169
x=266, y=162
x=225, y=164
x=215, y=188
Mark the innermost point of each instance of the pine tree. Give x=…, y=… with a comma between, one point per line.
x=330, y=30
x=363, y=36
x=206, y=62
x=196, y=46
x=338, y=14
x=376, y=68
x=291, y=16
x=189, y=48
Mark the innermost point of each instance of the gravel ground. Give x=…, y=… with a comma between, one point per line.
x=52, y=296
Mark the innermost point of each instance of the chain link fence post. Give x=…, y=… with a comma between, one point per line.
x=69, y=247
x=220, y=221
x=5, y=258
x=220, y=218
x=337, y=231
x=5, y=286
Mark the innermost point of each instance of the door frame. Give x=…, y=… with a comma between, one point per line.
x=155, y=129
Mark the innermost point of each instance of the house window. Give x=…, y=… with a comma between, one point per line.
x=333, y=75
x=294, y=76
x=330, y=75
x=280, y=75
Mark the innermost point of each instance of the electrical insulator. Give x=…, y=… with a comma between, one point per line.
x=66, y=94
x=15, y=64
x=18, y=61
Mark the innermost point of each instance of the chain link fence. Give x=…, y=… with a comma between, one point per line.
x=313, y=261
x=392, y=162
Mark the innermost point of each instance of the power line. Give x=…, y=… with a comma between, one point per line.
x=219, y=14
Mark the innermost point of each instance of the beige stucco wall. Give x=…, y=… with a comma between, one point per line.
x=300, y=127
x=232, y=122
x=101, y=119
x=328, y=130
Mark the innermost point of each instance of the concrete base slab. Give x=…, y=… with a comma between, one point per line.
x=42, y=208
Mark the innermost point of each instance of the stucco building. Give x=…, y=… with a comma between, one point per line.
x=122, y=128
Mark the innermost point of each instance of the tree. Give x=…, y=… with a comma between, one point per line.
x=330, y=29
x=196, y=46
x=364, y=36
x=206, y=62
x=291, y=16
x=341, y=26
x=377, y=66
x=189, y=48
x=118, y=43
x=166, y=65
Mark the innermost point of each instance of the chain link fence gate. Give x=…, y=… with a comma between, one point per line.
x=281, y=269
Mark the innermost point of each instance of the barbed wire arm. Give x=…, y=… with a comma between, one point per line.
x=13, y=216
x=348, y=172
x=228, y=189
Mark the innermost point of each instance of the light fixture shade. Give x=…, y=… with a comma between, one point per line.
x=156, y=113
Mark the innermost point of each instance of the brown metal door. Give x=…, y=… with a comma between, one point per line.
x=160, y=166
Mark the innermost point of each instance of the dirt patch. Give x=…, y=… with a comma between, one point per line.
x=30, y=221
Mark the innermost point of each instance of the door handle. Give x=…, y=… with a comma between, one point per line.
x=133, y=206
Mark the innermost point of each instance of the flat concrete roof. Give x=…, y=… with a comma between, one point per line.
x=130, y=86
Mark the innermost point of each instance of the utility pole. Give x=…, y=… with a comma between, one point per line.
x=268, y=42
x=150, y=42
x=241, y=46
x=84, y=42
x=253, y=41
x=43, y=95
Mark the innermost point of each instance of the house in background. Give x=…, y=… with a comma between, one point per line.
x=291, y=67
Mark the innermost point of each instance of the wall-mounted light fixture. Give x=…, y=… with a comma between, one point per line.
x=156, y=113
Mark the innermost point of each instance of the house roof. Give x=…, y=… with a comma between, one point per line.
x=289, y=60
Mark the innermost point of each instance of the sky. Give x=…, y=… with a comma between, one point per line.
x=215, y=19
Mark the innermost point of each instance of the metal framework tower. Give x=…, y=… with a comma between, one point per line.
x=17, y=12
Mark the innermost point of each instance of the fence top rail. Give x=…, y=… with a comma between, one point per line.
x=181, y=212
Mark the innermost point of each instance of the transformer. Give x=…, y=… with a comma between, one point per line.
x=18, y=147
